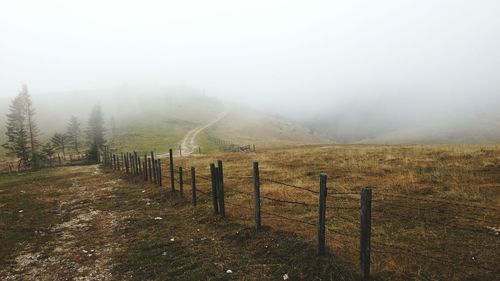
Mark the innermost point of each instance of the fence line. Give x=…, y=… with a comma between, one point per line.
x=214, y=190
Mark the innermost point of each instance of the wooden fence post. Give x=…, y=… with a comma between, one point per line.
x=131, y=162
x=136, y=163
x=146, y=169
x=126, y=163
x=322, y=213
x=171, y=159
x=159, y=179
x=150, y=164
x=181, y=182
x=220, y=185
x=154, y=167
x=366, y=223
x=118, y=162
x=256, y=188
x=213, y=176
x=139, y=165
x=193, y=185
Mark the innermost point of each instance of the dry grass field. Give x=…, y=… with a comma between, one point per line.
x=435, y=217
x=436, y=209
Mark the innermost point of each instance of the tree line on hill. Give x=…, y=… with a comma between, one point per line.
x=23, y=135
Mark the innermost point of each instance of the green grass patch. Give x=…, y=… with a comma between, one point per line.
x=145, y=136
x=207, y=146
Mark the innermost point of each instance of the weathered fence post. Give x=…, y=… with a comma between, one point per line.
x=150, y=164
x=193, y=185
x=136, y=162
x=139, y=167
x=133, y=164
x=220, y=185
x=171, y=159
x=181, y=182
x=366, y=224
x=213, y=176
x=118, y=162
x=154, y=167
x=145, y=168
x=256, y=188
x=159, y=179
x=322, y=213
x=126, y=163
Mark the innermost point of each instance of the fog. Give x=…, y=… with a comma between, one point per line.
x=381, y=71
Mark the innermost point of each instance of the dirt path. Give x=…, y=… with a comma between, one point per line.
x=93, y=224
x=188, y=143
x=81, y=247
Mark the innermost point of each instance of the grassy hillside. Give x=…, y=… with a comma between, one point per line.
x=247, y=126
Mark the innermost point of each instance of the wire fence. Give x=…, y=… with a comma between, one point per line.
x=388, y=213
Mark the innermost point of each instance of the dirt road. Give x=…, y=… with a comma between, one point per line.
x=188, y=143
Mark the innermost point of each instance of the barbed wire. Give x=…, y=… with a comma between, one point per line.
x=440, y=223
x=287, y=218
x=288, y=201
x=433, y=210
x=438, y=201
x=290, y=185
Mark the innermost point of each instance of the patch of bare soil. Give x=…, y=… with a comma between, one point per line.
x=83, y=246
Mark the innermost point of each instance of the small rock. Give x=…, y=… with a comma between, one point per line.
x=285, y=277
x=158, y=218
x=229, y=271
x=20, y=211
x=147, y=204
x=172, y=240
x=164, y=253
x=143, y=191
x=85, y=251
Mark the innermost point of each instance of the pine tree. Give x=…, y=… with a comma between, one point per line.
x=95, y=133
x=22, y=131
x=60, y=141
x=48, y=151
x=73, y=133
x=31, y=124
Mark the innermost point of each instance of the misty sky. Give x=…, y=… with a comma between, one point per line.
x=306, y=53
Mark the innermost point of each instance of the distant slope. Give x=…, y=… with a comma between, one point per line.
x=150, y=119
x=244, y=125
x=416, y=121
x=136, y=118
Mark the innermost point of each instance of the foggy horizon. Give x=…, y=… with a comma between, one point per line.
x=400, y=63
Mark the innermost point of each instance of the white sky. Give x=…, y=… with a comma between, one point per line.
x=304, y=52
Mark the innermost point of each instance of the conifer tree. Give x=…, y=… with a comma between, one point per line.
x=95, y=133
x=22, y=131
x=73, y=133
